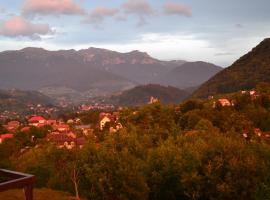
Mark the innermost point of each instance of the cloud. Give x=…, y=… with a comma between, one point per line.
x=171, y=8
x=51, y=7
x=239, y=25
x=224, y=54
x=2, y=10
x=98, y=14
x=19, y=26
x=141, y=8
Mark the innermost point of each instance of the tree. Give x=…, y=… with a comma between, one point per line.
x=112, y=173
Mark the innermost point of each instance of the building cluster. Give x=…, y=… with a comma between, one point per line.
x=8, y=115
x=95, y=106
x=68, y=134
x=224, y=102
x=257, y=132
x=29, y=109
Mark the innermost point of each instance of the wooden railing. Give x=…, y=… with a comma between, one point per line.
x=18, y=180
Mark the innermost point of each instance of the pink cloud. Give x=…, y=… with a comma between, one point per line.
x=140, y=7
x=55, y=7
x=100, y=13
x=18, y=26
x=177, y=9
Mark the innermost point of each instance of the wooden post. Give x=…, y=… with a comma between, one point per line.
x=28, y=192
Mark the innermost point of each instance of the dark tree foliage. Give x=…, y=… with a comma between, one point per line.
x=192, y=151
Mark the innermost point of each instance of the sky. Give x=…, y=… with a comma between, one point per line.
x=215, y=31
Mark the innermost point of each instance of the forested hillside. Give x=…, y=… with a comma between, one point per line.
x=245, y=73
x=141, y=95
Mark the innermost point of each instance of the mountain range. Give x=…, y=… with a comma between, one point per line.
x=94, y=72
x=244, y=74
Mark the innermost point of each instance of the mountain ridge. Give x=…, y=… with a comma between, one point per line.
x=180, y=76
x=245, y=73
x=87, y=72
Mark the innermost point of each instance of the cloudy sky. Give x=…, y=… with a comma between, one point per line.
x=210, y=30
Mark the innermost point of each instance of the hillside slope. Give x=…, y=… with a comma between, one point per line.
x=141, y=95
x=190, y=74
x=245, y=73
x=16, y=100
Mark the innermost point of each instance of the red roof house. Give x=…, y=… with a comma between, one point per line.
x=37, y=121
x=5, y=136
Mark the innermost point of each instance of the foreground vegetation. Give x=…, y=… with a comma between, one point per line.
x=192, y=151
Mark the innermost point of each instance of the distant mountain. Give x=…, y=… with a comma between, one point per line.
x=142, y=94
x=245, y=73
x=35, y=68
x=136, y=66
x=79, y=75
x=90, y=71
x=189, y=74
x=18, y=100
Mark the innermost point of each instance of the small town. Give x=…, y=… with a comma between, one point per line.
x=73, y=133
x=69, y=134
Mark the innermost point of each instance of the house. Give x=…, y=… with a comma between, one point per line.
x=243, y=92
x=103, y=122
x=153, y=100
x=25, y=129
x=3, y=137
x=223, y=103
x=63, y=140
x=70, y=121
x=51, y=122
x=37, y=121
x=86, y=107
x=116, y=127
x=71, y=134
x=86, y=129
x=12, y=126
x=257, y=131
x=105, y=118
x=61, y=127
x=252, y=92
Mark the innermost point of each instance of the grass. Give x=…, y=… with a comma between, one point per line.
x=39, y=194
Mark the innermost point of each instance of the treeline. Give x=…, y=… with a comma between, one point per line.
x=192, y=151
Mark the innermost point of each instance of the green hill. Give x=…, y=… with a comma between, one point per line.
x=245, y=73
x=141, y=95
x=15, y=100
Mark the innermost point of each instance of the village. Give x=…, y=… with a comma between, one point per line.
x=72, y=132
x=230, y=102
x=69, y=134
